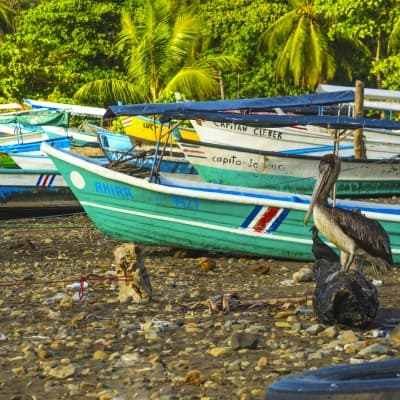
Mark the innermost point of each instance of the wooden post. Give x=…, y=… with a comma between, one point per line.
x=359, y=145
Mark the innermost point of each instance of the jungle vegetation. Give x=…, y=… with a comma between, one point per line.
x=99, y=52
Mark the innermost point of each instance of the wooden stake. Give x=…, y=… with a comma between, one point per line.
x=359, y=145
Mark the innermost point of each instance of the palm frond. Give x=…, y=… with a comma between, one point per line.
x=109, y=91
x=394, y=38
x=278, y=32
x=185, y=32
x=194, y=83
x=6, y=17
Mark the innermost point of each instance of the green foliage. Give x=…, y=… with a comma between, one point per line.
x=371, y=23
x=58, y=46
x=160, y=45
x=304, y=52
x=234, y=28
x=389, y=68
x=6, y=17
x=100, y=51
x=364, y=19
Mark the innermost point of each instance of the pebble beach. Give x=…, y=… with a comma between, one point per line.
x=217, y=326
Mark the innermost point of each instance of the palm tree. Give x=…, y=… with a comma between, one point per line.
x=305, y=52
x=161, y=56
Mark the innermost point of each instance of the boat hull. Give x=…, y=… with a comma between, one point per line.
x=79, y=137
x=196, y=215
x=148, y=130
x=295, y=139
x=36, y=192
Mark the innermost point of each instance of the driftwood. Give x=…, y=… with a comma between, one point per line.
x=341, y=297
x=231, y=302
x=134, y=282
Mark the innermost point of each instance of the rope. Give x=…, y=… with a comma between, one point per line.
x=82, y=281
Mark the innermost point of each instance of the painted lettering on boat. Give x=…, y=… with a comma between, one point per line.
x=232, y=126
x=176, y=201
x=267, y=133
x=181, y=202
x=120, y=192
x=148, y=125
x=264, y=132
x=276, y=166
x=233, y=160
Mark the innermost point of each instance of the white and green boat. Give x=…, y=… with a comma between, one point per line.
x=199, y=215
x=230, y=165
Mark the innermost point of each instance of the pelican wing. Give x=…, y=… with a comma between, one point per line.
x=367, y=233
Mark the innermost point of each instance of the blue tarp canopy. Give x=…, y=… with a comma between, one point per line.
x=258, y=104
x=272, y=120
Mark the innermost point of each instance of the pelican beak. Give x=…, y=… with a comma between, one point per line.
x=309, y=213
x=319, y=184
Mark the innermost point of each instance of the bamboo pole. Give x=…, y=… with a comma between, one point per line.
x=359, y=145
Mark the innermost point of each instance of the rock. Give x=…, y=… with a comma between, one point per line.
x=348, y=336
x=62, y=371
x=314, y=329
x=262, y=362
x=394, y=334
x=375, y=348
x=330, y=332
x=218, y=351
x=305, y=274
x=243, y=340
x=206, y=264
x=100, y=355
x=194, y=377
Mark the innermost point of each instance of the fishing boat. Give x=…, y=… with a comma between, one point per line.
x=34, y=192
x=29, y=156
x=26, y=126
x=142, y=129
x=286, y=171
x=17, y=136
x=62, y=142
x=149, y=130
x=302, y=139
x=82, y=135
x=199, y=215
x=215, y=122
x=137, y=123
x=289, y=169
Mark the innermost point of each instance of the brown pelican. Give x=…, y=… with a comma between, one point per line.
x=353, y=233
